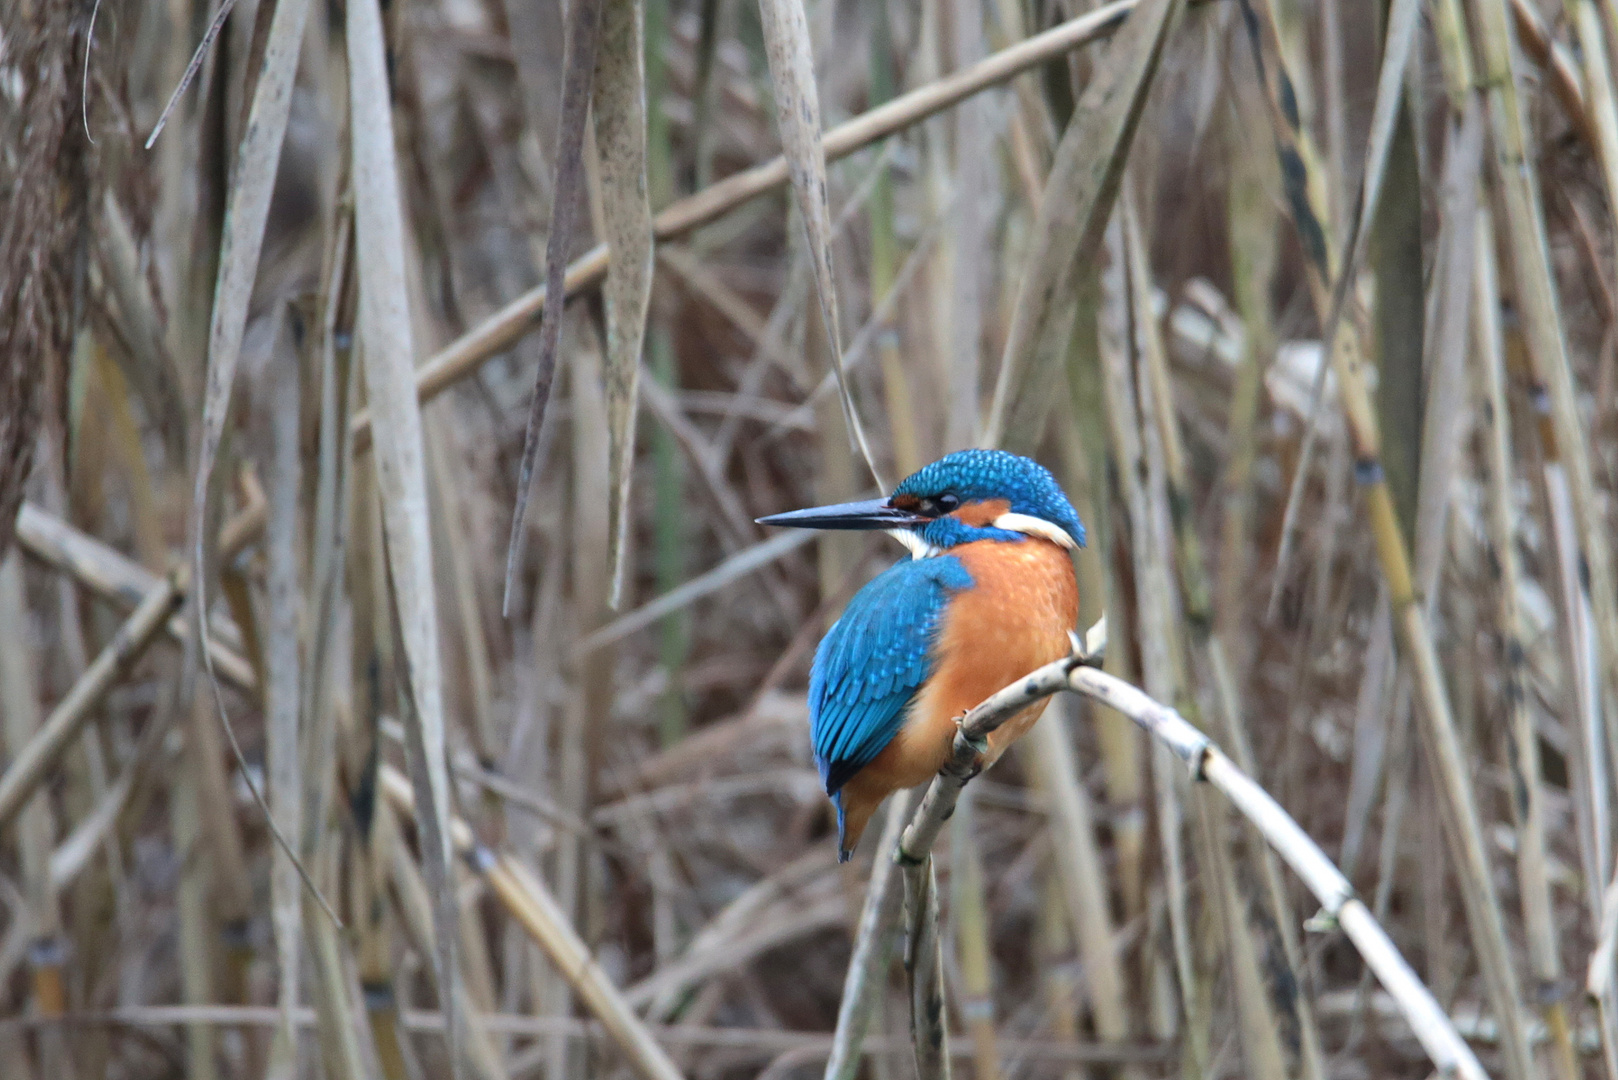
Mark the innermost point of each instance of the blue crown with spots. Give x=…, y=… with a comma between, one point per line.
x=979, y=475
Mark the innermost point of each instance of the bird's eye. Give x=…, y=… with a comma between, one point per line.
x=948, y=502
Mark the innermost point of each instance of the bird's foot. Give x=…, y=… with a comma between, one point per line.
x=980, y=746
x=1091, y=649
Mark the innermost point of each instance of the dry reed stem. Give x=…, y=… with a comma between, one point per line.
x=504, y=328
x=30, y=763
x=1080, y=868
x=1087, y=172
x=1536, y=295
x=532, y=905
x=122, y=582
x=1528, y=802
x=1464, y=836
x=873, y=946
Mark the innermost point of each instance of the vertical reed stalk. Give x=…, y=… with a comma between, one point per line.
x=1528, y=796
x=1542, y=322
x=969, y=906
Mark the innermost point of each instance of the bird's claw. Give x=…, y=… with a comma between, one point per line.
x=1090, y=649
x=979, y=745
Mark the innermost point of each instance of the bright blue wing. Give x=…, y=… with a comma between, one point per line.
x=873, y=660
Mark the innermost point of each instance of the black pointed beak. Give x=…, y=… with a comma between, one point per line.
x=870, y=514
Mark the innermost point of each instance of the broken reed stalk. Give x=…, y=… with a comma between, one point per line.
x=531, y=904
x=503, y=329
x=75, y=710
x=1432, y=1027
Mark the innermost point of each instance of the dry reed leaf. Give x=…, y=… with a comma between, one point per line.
x=195, y=65
x=247, y=208
x=797, y=115
x=388, y=354
x=583, y=31
x=257, y=160
x=1079, y=196
x=620, y=121
x=282, y=687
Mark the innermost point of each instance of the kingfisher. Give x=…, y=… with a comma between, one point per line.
x=987, y=596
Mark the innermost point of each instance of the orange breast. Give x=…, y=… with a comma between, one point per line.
x=1016, y=618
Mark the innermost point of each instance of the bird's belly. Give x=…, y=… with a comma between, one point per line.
x=1015, y=618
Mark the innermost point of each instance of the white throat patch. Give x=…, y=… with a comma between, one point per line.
x=917, y=545
x=1033, y=526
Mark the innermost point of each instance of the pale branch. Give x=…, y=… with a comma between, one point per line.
x=1207, y=763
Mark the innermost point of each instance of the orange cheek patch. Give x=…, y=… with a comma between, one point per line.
x=982, y=514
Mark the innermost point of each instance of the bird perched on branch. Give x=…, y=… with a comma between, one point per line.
x=987, y=596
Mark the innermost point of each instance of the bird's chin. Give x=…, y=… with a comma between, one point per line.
x=915, y=543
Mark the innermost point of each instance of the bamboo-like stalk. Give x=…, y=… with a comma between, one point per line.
x=195, y=945
x=1160, y=656
x=1465, y=837
x=1547, y=344
x=1171, y=491
x=411, y=896
x=1080, y=870
x=348, y=1047
x=924, y=963
x=123, y=583
x=19, y=709
x=283, y=671
x=1528, y=803
x=1599, y=92
x=750, y=1041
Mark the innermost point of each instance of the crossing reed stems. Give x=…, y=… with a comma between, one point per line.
x=501, y=330
x=31, y=763
x=537, y=910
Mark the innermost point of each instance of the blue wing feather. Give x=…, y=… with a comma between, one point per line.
x=873, y=660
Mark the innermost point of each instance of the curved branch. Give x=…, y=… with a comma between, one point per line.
x=1206, y=762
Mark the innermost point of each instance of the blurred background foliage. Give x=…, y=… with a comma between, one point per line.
x=1376, y=571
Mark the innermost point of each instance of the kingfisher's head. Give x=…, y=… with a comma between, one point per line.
x=965, y=496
